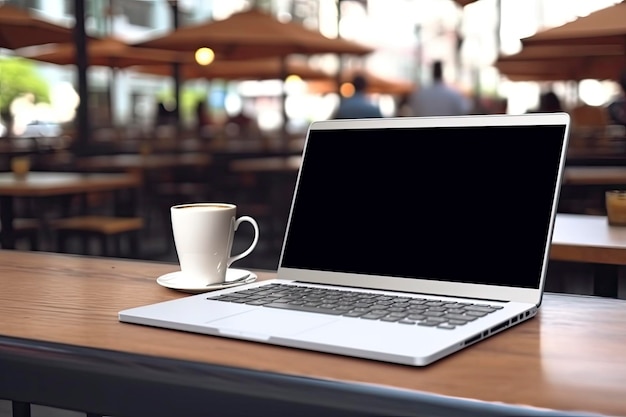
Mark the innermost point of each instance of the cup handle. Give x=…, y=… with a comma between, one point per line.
x=254, y=241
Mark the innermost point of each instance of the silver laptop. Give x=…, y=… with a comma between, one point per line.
x=408, y=239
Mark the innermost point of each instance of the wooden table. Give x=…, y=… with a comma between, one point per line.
x=285, y=164
x=590, y=239
x=50, y=184
x=594, y=175
x=61, y=344
x=138, y=163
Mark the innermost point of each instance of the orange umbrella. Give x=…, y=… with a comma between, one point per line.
x=564, y=62
x=603, y=27
x=108, y=52
x=254, y=34
x=19, y=29
x=264, y=68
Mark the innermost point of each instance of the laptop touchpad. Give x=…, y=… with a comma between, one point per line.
x=264, y=323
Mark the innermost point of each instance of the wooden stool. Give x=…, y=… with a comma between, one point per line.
x=105, y=228
x=25, y=228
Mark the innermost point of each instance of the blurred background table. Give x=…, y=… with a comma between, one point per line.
x=52, y=184
x=590, y=239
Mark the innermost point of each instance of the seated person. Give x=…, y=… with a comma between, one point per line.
x=357, y=106
x=617, y=109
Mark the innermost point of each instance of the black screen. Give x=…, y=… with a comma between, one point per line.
x=470, y=204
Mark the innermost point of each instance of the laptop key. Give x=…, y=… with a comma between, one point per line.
x=372, y=316
x=354, y=313
x=304, y=308
x=258, y=302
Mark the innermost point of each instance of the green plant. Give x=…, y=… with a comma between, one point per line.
x=19, y=76
x=189, y=99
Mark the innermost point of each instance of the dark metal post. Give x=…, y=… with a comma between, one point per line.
x=176, y=67
x=80, y=39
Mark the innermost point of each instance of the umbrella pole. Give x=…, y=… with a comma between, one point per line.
x=283, y=77
x=82, y=117
x=176, y=69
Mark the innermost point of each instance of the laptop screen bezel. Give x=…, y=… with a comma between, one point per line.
x=423, y=286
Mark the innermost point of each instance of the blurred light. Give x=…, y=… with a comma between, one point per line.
x=347, y=89
x=270, y=119
x=204, y=56
x=293, y=78
x=325, y=107
x=387, y=105
x=297, y=107
x=233, y=104
x=593, y=92
x=64, y=100
x=294, y=85
x=522, y=96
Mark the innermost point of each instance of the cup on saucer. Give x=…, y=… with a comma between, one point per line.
x=203, y=237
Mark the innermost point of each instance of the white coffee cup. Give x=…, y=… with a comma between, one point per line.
x=203, y=235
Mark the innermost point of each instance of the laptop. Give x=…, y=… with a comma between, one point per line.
x=408, y=239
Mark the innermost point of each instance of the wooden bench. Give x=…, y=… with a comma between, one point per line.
x=107, y=229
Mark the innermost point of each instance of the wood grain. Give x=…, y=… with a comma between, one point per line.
x=567, y=358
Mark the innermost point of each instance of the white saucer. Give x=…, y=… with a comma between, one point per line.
x=234, y=277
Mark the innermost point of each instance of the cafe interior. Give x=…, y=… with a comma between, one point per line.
x=183, y=105
x=113, y=111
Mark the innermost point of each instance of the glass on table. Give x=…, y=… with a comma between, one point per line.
x=616, y=207
x=20, y=165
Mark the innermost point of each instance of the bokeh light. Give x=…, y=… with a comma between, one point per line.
x=204, y=56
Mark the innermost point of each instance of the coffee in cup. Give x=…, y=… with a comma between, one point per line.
x=203, y=236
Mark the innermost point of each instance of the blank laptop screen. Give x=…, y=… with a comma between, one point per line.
x=462, y=204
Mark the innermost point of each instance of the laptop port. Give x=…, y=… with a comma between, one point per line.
x=499, y=327
x=473, y=339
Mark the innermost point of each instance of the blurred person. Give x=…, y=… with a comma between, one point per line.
x=164, y=115
x=549, y=102
x=358, y=105
x=438, y=99
x=242, y=126
x=203, y=120
x=617, y=108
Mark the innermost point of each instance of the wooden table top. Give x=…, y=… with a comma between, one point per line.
x=568, y=358
x=43, y=184
x=586, y=238
x=286, y=164
x=594, y=175
x=142, y=162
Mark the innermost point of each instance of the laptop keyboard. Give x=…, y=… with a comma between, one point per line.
x=386, y=308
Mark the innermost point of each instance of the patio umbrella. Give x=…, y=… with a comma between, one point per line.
x=109, y=52
x=259, y=69
x=603, y=27
x=19, y=28
x=563, y=62
x=254, y=34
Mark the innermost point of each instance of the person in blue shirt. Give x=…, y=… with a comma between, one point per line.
x=358, y=105
x=438, y=98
